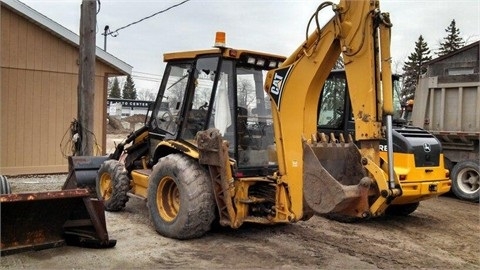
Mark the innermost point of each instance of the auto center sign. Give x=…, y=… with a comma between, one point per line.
x=129, y=103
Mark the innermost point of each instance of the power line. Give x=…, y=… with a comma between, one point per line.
x=146, y=79
x=146, y=73
x=146, y=76
x=115, y=33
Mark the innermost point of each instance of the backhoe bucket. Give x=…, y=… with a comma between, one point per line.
x=335, y=182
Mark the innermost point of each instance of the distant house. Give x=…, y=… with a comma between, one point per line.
x=38, y=91
x=460, y=66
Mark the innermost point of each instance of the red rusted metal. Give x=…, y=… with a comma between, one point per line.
x=47, y=195
x=32, y=221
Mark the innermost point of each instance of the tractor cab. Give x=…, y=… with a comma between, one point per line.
x=334, y=110
x=220, y=88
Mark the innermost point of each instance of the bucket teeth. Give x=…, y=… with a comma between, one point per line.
x=323, y=137
x=332, y=139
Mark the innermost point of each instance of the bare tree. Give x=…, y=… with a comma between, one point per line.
x=146, y=94
x=245, y=94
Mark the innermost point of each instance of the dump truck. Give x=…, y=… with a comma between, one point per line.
x=449, y=108
x=239, y=142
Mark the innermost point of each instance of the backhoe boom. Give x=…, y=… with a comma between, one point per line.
x=295, y=88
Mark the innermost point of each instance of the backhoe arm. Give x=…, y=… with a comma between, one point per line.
x=295, y=89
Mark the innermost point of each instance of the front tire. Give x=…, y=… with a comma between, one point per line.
x=4, y=185
x=466, y=180
x=180, y=198
x=112, y=185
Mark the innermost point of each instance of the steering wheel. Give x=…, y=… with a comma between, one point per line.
x=165, y=119
x=204, y=107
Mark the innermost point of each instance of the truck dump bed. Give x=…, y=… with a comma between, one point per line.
x=448, y=108
x=451, y=111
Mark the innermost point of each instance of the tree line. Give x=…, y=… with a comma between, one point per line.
x=416, y=62
x=128, y=91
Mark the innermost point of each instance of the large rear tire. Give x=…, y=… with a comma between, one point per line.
x=466, y=180
x=401, y=209
x=4, y=185
x=180, y=198
x=112, y=185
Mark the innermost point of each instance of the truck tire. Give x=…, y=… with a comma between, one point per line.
x=466, y=180
x=112, y=185
x=180, y=198
x=401, y=209
x=4, y=185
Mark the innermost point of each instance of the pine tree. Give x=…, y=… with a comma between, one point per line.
x=129, y=91
x=452, y=41
x=115, y=89
x=415, y=66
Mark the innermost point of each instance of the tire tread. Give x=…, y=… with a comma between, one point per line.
x=120, y=185
x=194, y=221
x=474, y=165
x=5, y=187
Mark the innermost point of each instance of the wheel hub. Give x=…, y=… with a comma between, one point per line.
x=168, y=199
x=469, y=181
x=106, y=186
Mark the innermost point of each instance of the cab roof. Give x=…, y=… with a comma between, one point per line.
x=226, y=52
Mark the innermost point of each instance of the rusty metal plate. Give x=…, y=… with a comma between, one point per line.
x=33, y=221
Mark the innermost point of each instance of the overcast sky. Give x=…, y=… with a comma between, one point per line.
x=264, y=25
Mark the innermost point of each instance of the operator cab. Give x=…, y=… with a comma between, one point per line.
x=220, y=88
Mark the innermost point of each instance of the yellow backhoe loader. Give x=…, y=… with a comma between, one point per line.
x=233, y=134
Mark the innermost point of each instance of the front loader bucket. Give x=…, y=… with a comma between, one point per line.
x=335, y=182
x=82, y=171
x=33, y=221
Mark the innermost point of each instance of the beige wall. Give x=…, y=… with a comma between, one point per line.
x=38, y=97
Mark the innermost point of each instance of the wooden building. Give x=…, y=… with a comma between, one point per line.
x=38, y=91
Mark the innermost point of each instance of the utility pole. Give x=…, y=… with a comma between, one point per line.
x=86, y=76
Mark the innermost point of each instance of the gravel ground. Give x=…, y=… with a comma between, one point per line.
x=37, y=183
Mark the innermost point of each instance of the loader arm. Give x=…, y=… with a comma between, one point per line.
x=359, y=31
